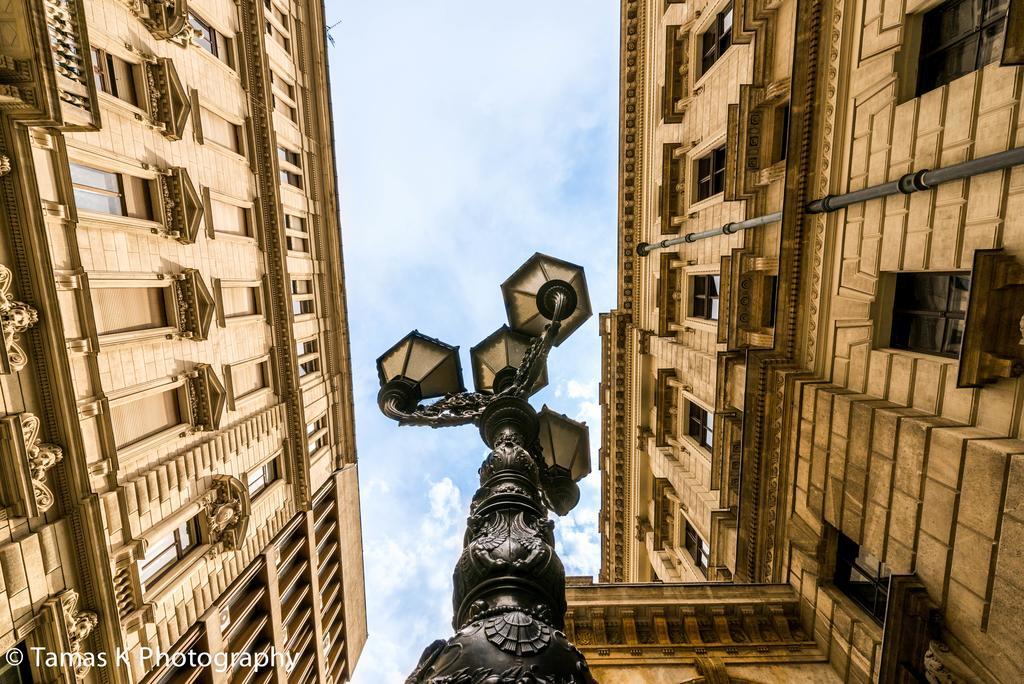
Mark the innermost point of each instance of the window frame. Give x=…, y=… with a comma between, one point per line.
x=847, y=559
x=710, y=46
x=928, y=55
x=267, y=473
x=948, y=316
x=698, y=549
x=702, y=295
x=105, y=73
x=182, y=550
x=700, y=423
x=709, y=174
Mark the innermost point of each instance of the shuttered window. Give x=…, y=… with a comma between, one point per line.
x=248, y=378
x=230, y=218
x=124, y=309
x=241, y=301
x=221, y=131
x=136, y=420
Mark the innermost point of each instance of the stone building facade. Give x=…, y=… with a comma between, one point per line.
x=176, y=428
x=808, y=393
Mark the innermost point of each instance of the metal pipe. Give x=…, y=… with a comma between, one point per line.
x=907, y=184
x=644, y=248
x=921, y=180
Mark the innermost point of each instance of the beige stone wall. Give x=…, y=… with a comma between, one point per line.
x=114, y=501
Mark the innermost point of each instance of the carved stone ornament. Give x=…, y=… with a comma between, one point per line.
x=79, y=625
x=41, y=457
x=5, y=165
x=15, y=318
x=227, y=513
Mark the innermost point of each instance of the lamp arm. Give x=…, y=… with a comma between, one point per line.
x=455, y=409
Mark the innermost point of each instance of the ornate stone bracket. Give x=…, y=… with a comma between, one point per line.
x=194, y=305
x=67, y=628
x=206, y=398
x=24, y=463
x=169, y=105
x=15, y=318
x=181, y=205
x=227, y=514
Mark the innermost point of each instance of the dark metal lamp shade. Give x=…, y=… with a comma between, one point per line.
x=528, y=293
x=565, y=443
x=497, y=358
x=429, y=366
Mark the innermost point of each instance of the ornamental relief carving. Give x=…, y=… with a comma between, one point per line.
x=25, y=461
x=78, y=624
x=15, y=318
x=227, y=513
x=5, y=165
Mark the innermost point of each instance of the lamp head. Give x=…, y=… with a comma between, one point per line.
x=416, y=368
x=497, y=358
x=542, y=289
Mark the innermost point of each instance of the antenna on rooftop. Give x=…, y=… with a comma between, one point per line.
x=329, y=36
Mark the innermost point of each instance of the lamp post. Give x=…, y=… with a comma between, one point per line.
x=509, y=597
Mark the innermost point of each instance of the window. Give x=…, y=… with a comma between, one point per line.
x=16, y=671
x=206, y=36
x=128, y=309
x=704, y=297
x=289, y=156
x=302, y=296
x=278, y=36
x=114, y=76
x=861, y=576
x=316, y=433
x=958, y=37
x=700, y=425
x=262, y=477
x=717, y=39
x=162, y=554
x=212, y=41
x=291, y=166
x=928, y=312
x=230, y=219
x=219, y=130
x=697, y=548
x=106, y=192
x=137, y=419
x=240, y=300
x=296, y=237
x=711, y=174
x=249, y=378
x=308, y=353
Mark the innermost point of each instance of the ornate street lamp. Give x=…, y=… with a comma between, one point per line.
x=509, y=598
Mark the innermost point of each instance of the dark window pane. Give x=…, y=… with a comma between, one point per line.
x=959, y=37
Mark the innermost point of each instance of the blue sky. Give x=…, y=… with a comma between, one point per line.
x=470, y=135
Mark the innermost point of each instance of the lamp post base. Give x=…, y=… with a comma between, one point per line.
x=508, y=648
